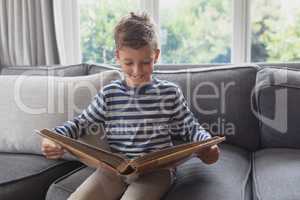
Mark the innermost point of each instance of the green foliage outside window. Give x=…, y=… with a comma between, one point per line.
x=198, y=31
x=194, y=31
x=97, y=21
x=275, y=31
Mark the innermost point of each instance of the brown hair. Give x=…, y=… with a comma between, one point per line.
x=136, y=31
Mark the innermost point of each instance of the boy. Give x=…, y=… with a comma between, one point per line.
x=139, y=114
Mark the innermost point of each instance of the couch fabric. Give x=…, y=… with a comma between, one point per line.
x=278, y=95
x=36, y=102
x=259, y=161
x=229, y=175
x=27, y=176
x=55, y=70
x=227, y=179
x=224, y=101
x=234, y=83
x=276, y=174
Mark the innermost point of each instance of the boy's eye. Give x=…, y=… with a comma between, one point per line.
x=128, y=64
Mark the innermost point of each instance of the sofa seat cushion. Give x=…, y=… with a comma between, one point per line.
x=26, y=176
x=64, y=186
x=225, y=180
x=276, y=174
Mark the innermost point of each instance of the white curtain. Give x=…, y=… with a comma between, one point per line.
x=66, y=18
x=31, y=33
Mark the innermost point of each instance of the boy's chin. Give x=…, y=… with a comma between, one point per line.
x=137, y=83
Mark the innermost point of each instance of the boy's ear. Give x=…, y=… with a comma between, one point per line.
x=157, y=54
x=117, y=56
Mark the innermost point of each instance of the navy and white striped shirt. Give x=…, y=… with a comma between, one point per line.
x=137, y=120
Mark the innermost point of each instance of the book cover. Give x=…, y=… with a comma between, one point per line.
x=165, y=158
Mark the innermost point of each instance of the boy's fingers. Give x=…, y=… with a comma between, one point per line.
x=49, y=143
x=52, y=151
x=53, y=154
x=53, y=157
x=207, y=150
x=52, y=145
x=202, y=151
x=51, y=148
x=214, y=147
x=59, y=151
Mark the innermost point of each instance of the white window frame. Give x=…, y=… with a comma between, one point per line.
x=151, y=7
x=241, y=37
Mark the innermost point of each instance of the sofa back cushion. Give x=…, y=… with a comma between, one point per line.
x=278, y=97
x=219, y=96
x=36, y=102
x=220, y=99
x=97, y=68
x=54, y=70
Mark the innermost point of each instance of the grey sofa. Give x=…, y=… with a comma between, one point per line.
x=255, y=107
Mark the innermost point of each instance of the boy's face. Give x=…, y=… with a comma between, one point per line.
x=137, y=64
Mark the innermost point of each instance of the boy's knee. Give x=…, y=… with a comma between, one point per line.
x=152, y=186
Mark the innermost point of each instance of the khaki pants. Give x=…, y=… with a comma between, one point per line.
x=105, y=185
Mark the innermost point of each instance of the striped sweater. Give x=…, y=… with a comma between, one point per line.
x=137, y=120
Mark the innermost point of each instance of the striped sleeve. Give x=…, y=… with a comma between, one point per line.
x=184, y=124
x=90, y=121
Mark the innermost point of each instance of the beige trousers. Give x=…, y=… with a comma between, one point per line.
x=105, y=185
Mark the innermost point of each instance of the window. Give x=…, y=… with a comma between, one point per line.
x=275, y=30
x=200, y=31
x=195, y=31
x=97, y=20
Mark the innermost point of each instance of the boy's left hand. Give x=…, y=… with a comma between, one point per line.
x=209, y=155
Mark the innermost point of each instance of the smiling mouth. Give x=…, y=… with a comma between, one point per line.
x=136, y=77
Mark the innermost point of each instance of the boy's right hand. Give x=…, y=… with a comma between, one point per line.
x=51, y=150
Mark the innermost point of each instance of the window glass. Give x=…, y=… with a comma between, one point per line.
x=97, y=21
x=195, y=31
x=275, y=30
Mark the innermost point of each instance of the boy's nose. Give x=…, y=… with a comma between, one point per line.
x=136, y=69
